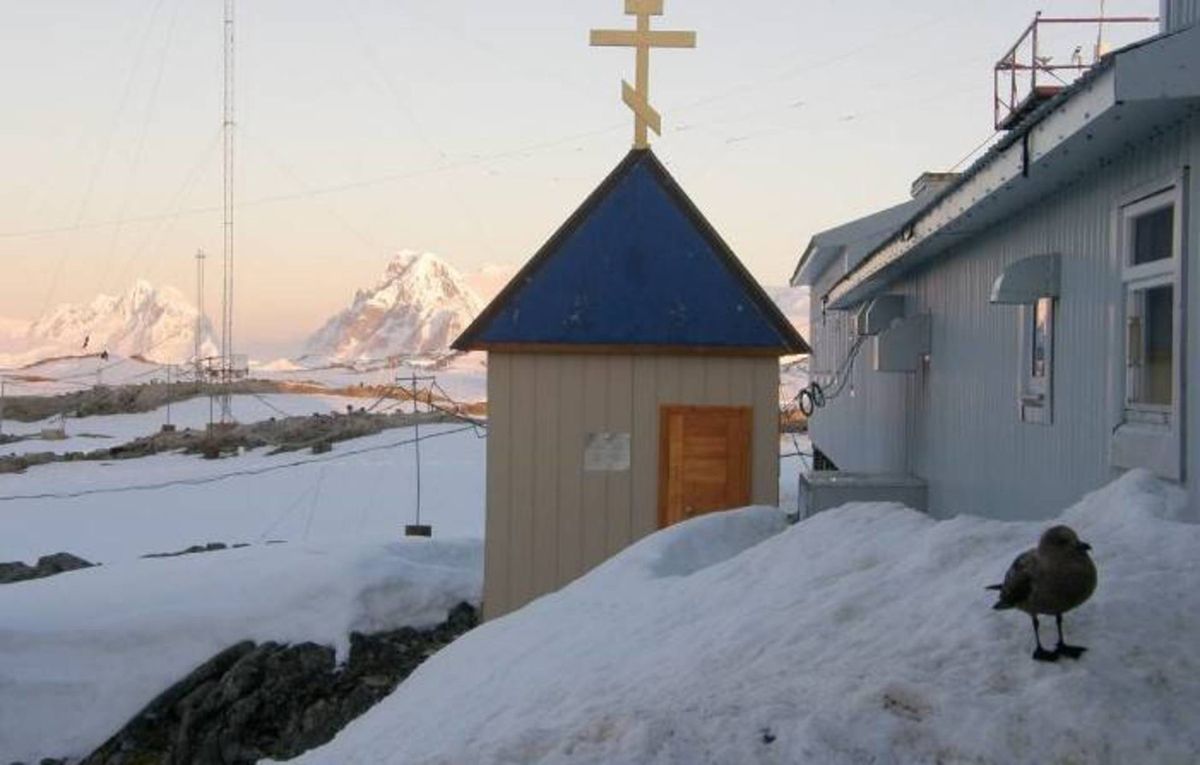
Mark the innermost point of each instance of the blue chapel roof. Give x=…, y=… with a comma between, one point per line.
x=636, y=265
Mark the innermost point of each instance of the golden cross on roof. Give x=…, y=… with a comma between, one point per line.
x=643, y=39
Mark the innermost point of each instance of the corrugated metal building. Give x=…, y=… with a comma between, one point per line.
x=633, y=381
x=1024, y=333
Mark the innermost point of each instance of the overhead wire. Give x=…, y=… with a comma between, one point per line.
x=102, y=158
x=367, y=50
x=454, y=165
x=265, y=402
x=172, y=211
x=143, y=131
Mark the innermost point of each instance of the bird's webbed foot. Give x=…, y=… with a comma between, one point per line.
x=1041, y=654
x=1070, y=651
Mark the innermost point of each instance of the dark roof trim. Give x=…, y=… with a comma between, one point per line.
x=793, y=342
x=1017, y=134
x=645, y=349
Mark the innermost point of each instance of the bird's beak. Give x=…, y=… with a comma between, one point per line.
x=1083, y=546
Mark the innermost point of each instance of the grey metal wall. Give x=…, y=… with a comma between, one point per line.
x=549, y=521
x=865, y=428
x=1177, y=14
x=956, y=420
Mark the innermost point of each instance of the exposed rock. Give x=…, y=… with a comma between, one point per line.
x=255, y=701
x=47, y=565
x=210, y=547
x=282, y=435
x=18, y=463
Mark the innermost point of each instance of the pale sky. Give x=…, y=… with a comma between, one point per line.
x=470, y=128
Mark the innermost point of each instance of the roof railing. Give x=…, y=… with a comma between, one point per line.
x=1027, y=74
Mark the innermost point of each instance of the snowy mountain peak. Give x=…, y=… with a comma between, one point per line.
x=419, y=306
x=156, y=323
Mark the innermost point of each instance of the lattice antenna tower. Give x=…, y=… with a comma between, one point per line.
x=227, y=129
x=198, y=357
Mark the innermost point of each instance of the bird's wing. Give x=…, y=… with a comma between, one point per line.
x=1018, y=582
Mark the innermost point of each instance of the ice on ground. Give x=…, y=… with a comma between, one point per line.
x=363, y=490
x=81, y=653
x=862, y=634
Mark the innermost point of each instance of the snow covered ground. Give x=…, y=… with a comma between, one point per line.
x=81, y=653
x=861, y=635
x=92, y=647
x=463, y=376
x=67, y=375
x=363, y=490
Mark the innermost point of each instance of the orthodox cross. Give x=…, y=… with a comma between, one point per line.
x=643, y=39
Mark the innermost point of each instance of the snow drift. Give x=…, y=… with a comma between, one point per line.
x=418, y=308
x=157, y=323
x=82, y=653
x=861, y=635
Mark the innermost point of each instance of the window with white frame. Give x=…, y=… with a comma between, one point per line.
x=1150, y=246
x=1037, y=362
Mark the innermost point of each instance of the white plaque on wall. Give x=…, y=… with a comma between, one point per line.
x=606, y=452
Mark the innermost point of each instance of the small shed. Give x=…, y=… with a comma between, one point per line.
x=633, y=382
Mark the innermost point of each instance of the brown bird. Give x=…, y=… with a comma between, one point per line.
x=1051, y=579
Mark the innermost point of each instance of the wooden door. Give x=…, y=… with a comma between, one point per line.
x=704, y=461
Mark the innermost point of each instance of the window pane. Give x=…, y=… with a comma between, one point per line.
x=1153, y=236
x=1154, y=360
x=1041, y=337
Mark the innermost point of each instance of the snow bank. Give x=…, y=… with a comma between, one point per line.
x=363, y=491
x=81, y=653
x=861, y=635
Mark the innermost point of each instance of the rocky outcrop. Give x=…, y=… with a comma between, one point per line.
x=255, y=701
x=287, y=434
x=196, y=549
x=47, y=565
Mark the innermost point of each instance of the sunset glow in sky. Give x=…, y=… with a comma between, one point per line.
x=470, y=128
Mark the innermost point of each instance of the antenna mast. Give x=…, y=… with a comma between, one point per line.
x=198, y=358
x=227, y=285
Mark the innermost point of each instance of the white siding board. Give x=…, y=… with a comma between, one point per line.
x=570, y=474
x=1177, y=14
x=717, y=375
x=1192, y=319
x=691, y=380
x=956, y=423
x=522, y=475
x=595, y=485
x=619, y=500
x=496, y=564
x=644, y=490
x=546, y=469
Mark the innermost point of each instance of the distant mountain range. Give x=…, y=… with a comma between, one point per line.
x=419, y=306
x=156, y=323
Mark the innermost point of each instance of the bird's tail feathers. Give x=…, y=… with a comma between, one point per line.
x=1002, y=604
